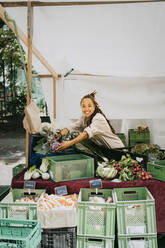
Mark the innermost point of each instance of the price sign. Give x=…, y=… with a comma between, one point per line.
x=29, y=185
x=96, y=184
x=62, y=190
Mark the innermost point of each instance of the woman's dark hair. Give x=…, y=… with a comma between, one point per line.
x=97, y=109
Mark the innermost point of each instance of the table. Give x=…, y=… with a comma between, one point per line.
x=157, y=189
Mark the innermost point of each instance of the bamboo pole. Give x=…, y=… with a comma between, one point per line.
x=23, y=37
x=29, y=68
x=54, y=97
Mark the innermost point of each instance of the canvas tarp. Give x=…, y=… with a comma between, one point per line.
x=124, y=41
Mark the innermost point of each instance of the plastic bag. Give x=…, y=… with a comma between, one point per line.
x=32, y=120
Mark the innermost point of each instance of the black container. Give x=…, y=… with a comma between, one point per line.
x=59, y=238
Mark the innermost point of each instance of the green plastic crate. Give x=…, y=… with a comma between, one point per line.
x=146, y=241
x=135, y=142
x=19, y=233
x=21, y=211
x=17, y=169
x=4, y=190
x=70, y=167
x=157, y=169
x=86, y=242
x=138, y=137
x=135, y=211
x=122, y=137
x=96, y=219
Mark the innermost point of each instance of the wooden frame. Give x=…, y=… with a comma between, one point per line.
x=71, y=3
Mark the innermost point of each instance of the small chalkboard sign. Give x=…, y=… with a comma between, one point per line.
x=62, y=190
x=96, y=184
x=29, y=185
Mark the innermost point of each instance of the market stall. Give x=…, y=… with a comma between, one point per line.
x=156, y=187
x=132, y=81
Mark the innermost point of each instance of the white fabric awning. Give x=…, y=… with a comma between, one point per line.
x=118, y=40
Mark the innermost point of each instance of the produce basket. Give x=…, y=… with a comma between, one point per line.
x=4, y=190
x=146, y=241
x=157, y=169
x=135, y=211
x=19, y=233
x=16, y=210
x=70, y=167
x=86, y=242
x=58, y=238
x=96, y=219
x=136, y=137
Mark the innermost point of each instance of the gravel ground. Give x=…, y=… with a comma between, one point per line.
x=12, y=152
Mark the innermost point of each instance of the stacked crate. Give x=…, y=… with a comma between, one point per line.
x=123, y=138
x=19, y=233
x=11, y=209
x=138, y=136
x=136, y=221
x=19, y=227
x=96, y=221
x=157, y=169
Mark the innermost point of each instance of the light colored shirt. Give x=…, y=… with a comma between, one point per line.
x=98, y=131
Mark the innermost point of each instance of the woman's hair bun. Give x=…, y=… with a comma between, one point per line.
x=93, y=94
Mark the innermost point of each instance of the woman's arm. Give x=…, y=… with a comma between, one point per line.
x=63, y=132
x=79, y=138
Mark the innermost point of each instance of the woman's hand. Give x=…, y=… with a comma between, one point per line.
x=58, y=135
x=64, y=145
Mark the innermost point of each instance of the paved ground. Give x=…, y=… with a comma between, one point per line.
x=12, y=152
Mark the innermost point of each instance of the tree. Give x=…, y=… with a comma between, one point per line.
x=12, y=92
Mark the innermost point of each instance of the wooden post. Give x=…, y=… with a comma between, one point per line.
x=54, y=97
x=29, y=69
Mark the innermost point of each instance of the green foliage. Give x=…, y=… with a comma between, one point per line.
x=11, y=84
x=147, y=149
x=10, y=60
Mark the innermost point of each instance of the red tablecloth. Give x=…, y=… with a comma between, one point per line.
x=157, y=189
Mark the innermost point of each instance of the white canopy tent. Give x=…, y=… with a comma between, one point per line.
x=117, y=49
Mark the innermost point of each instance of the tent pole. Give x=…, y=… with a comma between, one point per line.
x=73, y=3
x=54, y=97
x=29, y=68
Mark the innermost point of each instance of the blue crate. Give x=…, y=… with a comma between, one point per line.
x=36, y=158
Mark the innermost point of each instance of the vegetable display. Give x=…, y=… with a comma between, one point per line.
x=127, y=169
x=48, y=143
x=48, y=202
x=149, y=150
x=106, y=170
x=34, y=173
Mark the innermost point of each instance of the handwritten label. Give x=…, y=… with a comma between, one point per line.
x=96, y=184
x=62, y=190
x=29, y=185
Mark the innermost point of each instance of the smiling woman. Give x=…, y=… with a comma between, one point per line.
x=92, y=125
